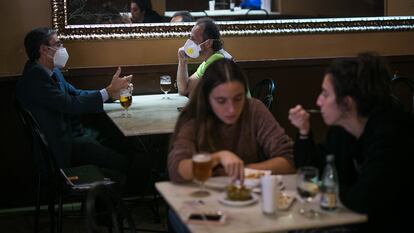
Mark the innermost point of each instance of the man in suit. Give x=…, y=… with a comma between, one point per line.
x=56, y=104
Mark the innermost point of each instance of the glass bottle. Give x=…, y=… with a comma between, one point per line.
x=231, y=5
x=330, y=185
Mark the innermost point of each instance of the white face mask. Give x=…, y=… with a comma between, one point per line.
x=192, y=49
x=60, y=58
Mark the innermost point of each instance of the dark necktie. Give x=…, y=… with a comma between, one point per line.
x=55, y=80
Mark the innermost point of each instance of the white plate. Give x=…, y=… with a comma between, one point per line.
x=285, y=199
x=251, y=183
x=252, y=177
x=218, y=182
x=255, y=174
x=223, y=200
x=221, y=182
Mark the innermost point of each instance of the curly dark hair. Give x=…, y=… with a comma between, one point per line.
x=211, y=31
x=366, y=78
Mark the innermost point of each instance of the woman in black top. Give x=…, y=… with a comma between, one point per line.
x=371, y=139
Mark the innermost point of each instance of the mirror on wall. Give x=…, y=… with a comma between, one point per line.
x=112, y=19
x=158, y=11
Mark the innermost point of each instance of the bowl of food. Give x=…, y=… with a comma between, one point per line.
x=238, y=193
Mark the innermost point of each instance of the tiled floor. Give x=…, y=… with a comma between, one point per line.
x=21, y=221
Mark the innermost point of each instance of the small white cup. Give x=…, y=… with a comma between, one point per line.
x=211, y=5
x=269, y=194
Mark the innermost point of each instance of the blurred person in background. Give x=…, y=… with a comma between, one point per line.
x=182, y=16
x=142, y=12
x=251, y=4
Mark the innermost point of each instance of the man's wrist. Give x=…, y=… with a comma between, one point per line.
x=104, y=95
x=109, y=91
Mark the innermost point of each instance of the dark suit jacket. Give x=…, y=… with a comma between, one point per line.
x=53, y=104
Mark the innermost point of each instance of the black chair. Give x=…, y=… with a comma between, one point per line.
x=50, y=180
x=264, y=90
x=103, y=204
x=45, y=169
x=403, y=91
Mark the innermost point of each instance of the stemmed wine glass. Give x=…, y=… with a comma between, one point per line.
x=165, y=84
x=307, y=187
x=125, y=99
x=202, y=166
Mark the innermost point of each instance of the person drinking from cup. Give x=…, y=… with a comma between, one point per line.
x=235, y=130
x=204, y=43
x=370, y=137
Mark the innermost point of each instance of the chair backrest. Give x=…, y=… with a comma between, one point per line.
x=403, y=90
x=46, y=161
x=264, y=90
x=109, y=204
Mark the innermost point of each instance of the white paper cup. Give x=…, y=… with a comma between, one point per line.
x=211, y=5
x=269, y=194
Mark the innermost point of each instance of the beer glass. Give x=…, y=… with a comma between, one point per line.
x=308, y=187
x=125, y=99
x=165, y=85
x=202, y=165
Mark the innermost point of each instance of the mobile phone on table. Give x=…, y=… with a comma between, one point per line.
x=207, y=218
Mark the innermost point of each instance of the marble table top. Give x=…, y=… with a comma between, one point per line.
x=150, y=114
x=249, y=218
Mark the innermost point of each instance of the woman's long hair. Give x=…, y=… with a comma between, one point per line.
x=198, y=108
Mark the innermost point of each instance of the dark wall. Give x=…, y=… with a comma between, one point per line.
x=298, y=82
x=16, y=166
x=179, y=5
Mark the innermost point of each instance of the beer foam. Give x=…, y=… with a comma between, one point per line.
x=201, y=158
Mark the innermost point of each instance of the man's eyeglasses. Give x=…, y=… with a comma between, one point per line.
x=56, y=45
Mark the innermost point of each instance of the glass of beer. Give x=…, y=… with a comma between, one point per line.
x=125, y=99
x=165, y=85
x=202, y=166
